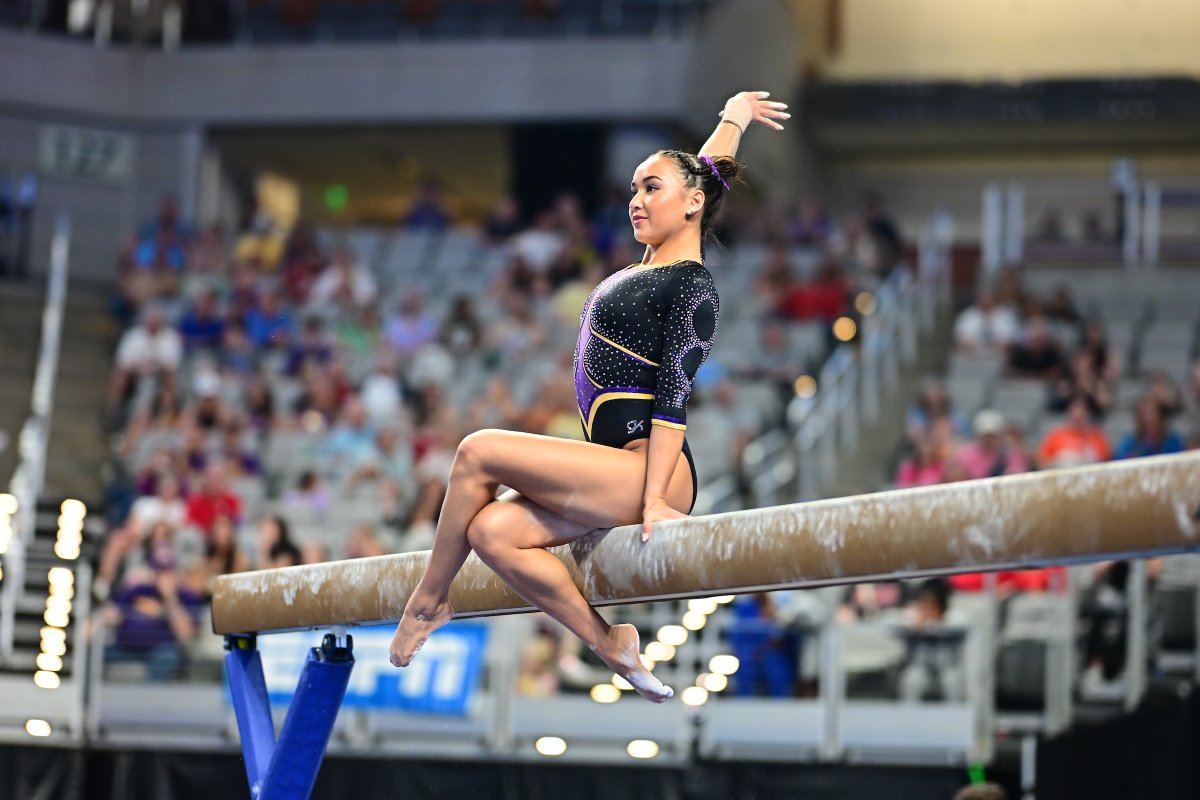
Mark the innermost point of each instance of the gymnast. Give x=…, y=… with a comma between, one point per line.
x=643, y=333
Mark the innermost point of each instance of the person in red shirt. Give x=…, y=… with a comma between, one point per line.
x=214, y=500
x=1077, y=441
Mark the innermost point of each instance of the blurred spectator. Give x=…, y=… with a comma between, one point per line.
x=350, y=440
x=153, y=615
x=221, y=552
x=1192, y=402
x=1035, y=354
x=933, y=669
x=308, y=500
x=364, y=543
x=926, y=467
x=864, y=601
x=237, y=350
x=163, y=242
x=1077, y=441
x=539, y=246
x=1049, y=228
x=1105, y=362
x=882, y=234
x=301, y=265
x=258, y=404
x=214, y=499
x=275, y=545
x=389, y=463
x=991, y=453
x=411, y=326
x=503, y=222
x=1150, y=437
x=149, y=350
x=932, y=404
x=344, y=285
x=428, y=210
x=236, y=453
x=1083, y=378
x=269, y=324
x=1161, y=388
x=1061, y=312
x=811, y=227
x=537, y=673
x=311, y=347
x=768, y=654
x=822, y=299
x=260, y=246
x=461, y=330
x=986, y=326
x=202, y=326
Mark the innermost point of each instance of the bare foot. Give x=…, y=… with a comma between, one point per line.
x=414, y=629
x=623, y=656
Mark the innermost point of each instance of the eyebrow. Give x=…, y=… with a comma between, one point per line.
x=648, y=177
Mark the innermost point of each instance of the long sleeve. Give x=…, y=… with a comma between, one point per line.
x=689, y=327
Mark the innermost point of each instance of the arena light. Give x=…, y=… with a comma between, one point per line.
x=865, y=303
x=605, y=693
x=550, y=745
x=724, y=599
x=56, y=619
x=59, y=606
x=647, y=662
x=660, y=651
x=38, y=727
x=60, y=576
x=805, y=387
x=844, y=329
x=715, y=682
x=46, y=680
x=73, y=509
x=49, y=662
x=724, y=664
x=642, y=748
x=54, y=647
x=8, y=505
x=694, y=620
x=674, y=635
x=703, y=605
x=694, y=696
x=621, y=683
x=66, y=551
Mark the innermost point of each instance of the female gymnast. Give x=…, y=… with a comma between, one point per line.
x=643, y=334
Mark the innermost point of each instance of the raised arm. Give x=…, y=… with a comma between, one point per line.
x=740, y=110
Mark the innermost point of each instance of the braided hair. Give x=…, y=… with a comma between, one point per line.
x=713, y=180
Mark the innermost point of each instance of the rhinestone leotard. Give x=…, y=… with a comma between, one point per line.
x=643, y=333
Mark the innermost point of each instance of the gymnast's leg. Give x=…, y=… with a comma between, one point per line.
x=590, y=485
x=510, y=535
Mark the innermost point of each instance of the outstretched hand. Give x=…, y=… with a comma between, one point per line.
x=657, y=511
x=746, y=107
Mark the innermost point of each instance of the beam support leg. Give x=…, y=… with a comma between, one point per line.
x=287, y=769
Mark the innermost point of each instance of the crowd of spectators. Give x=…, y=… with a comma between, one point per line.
x=277, y=399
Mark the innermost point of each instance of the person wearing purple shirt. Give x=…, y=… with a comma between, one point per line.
x=151, y=617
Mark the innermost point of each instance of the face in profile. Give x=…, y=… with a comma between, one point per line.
x=660, y=202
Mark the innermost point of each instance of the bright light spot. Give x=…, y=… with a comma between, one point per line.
x=60, y=576
x=73, y=509
x=694, y=696
x=69, y=526
x=844, y=329
x=673, y=635
x=46, y=680
x=724, y=664
x=704, y=605
x=58, y=605
x=1, y=572
x=865, y=303
x=37, y=727
x=805, y=386
x=694, y=620
x=49, y=662
x=605, y=693
x=55, y=647
x=621, y=683
x=66, y=552
x=8, y=505
x=64, y=593
x=550, y=746
x=56, y=619
x=724, y=599
x=715, y=682
x=647, y=661
x=642, y=748
x=53, y=635
x=659, y=651
x=312, y=421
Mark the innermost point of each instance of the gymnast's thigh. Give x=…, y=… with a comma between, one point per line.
x=593, y=485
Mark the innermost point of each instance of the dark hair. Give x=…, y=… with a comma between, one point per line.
x=712, y=181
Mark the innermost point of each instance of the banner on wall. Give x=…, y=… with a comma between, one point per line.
x=441, y=680
x=92, y=154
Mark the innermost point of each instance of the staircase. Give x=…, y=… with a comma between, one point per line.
x=20, y=326
x=78, y=445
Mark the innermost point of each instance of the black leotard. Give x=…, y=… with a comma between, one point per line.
x=643, y=333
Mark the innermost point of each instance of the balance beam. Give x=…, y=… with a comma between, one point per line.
x=1140, y=507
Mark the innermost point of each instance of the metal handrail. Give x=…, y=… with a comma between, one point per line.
x=29, y=478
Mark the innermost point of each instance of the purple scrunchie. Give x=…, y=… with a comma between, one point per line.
x=708, y=160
